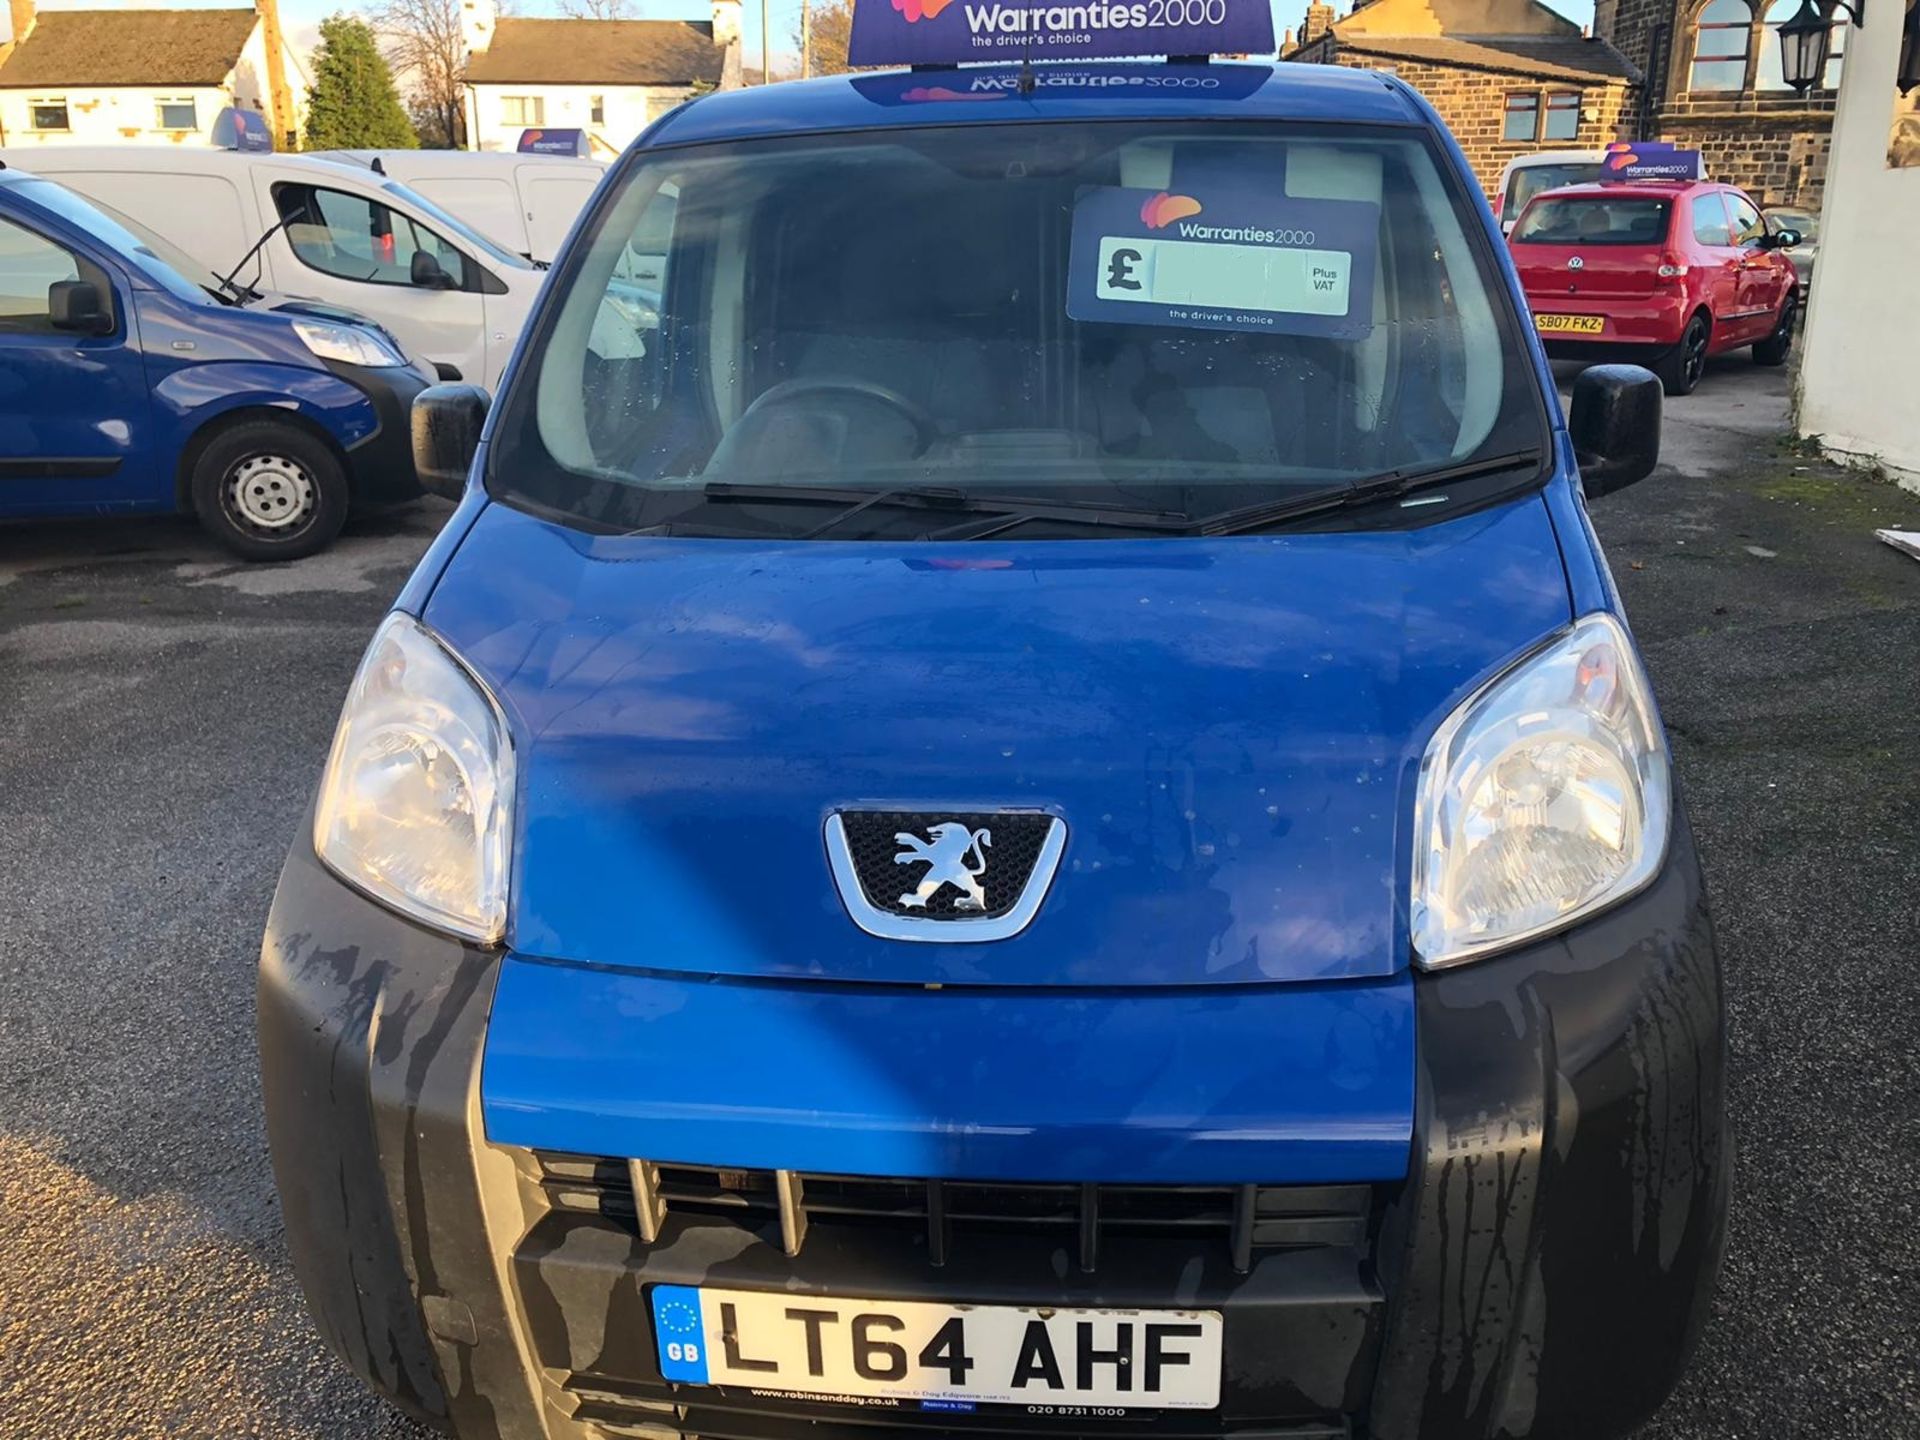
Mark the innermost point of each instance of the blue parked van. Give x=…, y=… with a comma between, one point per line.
x=1030, y=813
x=132, y=381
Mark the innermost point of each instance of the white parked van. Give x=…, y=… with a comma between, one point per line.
x=525, y=202
x=333, y=232
x=1527, y=175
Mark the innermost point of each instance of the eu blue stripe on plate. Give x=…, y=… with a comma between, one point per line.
x=679, y=1333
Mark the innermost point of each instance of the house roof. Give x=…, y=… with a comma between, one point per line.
x=598, y=52
x=1551, y=58
x=1457, y=17
x=129, y=47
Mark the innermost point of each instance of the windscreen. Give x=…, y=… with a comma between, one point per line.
x=1185, y=317
x=160, y=259
x=448, y=221
x=1530, y=180
x=1593, y=220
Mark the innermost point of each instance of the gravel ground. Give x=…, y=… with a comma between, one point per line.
x=163, y=714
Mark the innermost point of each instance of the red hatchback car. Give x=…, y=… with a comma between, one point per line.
x=1664, y=273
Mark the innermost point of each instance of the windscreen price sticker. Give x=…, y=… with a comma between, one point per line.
x=1242, y=285
x=1223, y=262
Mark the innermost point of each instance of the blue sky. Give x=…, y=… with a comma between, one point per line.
x=303, y=17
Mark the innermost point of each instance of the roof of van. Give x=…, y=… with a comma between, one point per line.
x=56, y=159
x=985, y=94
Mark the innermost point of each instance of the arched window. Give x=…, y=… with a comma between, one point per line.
x=1770, y=78
x=1721, y=37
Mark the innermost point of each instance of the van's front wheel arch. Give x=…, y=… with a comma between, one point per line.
x=267, y=488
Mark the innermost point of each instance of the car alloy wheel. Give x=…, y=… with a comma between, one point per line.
x=1694, y=365
x=272, y=496
x=1783, y=331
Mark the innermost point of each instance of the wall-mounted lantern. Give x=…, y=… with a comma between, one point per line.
x=1806, y=39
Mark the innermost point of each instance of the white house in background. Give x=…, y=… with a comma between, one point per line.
x=610, y=78
x=1860, y=364
x=143, y=77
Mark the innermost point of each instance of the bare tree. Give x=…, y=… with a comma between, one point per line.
x=830, y=21
x=423, y=40
x=597, y=9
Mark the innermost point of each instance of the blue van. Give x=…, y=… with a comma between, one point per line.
x=1030, y=813
x=133, y=381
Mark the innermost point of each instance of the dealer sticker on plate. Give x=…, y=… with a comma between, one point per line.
x=940, y=1357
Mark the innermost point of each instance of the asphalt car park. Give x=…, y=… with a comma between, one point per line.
x=165, y=710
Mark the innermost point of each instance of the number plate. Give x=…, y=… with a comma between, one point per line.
x=938, y=1357
x=1570, y=324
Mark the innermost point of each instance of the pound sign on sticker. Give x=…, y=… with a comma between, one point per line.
x=1120, y=270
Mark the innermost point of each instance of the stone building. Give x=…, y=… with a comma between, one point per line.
x=1713, y=84
x=1504, y=75
x=1510, y=77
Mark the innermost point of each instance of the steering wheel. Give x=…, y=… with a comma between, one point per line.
x=789, y=392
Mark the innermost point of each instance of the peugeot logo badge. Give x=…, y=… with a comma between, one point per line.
x=961, y=875
x=956, y=857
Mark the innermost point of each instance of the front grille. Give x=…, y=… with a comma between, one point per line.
x=631, y=1411
x=1240, y=1219
x=1008, y=847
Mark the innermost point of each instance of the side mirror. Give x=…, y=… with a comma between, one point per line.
x=447, y=420
x=425, y=272
x=1615, y=426
x=1785, y=239
x=78, y=305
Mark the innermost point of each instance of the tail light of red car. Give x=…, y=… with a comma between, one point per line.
x=1672, y=269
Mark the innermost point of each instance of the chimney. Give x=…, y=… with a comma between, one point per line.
x=477, y=18
x=1319, y=22
x=20, y=12
x=1287, y=43
x=726, y=34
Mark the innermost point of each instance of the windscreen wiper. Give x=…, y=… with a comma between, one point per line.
x=1389, y=485
x=1014, y=509
x=226, y=280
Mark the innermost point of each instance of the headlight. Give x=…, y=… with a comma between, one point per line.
x=1544, y=798
x=417, y=797
x=348, y=344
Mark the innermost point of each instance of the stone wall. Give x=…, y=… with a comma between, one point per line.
x=1630, y=26
x=1773, y=146
x=1474, y=103
x=1773, y=143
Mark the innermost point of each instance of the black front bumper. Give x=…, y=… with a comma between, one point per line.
x=1543, y=1270
x=380, y=468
